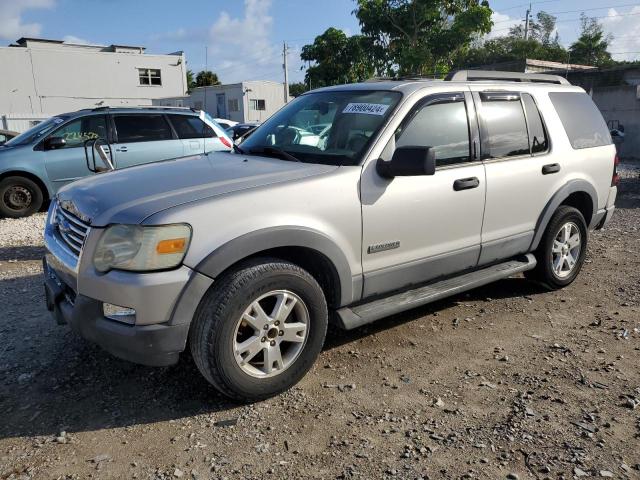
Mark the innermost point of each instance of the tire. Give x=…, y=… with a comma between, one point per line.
x=550, y=253
x=227, y=319
x=19, y=197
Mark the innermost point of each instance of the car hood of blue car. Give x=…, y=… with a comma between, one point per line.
x=132, y=194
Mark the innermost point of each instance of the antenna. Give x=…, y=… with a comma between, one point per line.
x=285, y=50
x=526, y=23
x=204, y=114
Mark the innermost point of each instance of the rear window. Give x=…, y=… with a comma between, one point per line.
x=189, y=126
x=581, y=119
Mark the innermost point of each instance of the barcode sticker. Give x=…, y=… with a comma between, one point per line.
x=366, y=108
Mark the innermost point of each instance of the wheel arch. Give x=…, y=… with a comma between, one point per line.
x=577, y=193
x=308, y=248
x=31, y=176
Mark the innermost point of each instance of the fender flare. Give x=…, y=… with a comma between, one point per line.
x=573, y=186
x=282, y=236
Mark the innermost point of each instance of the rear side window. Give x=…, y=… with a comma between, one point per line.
x=188, y=126
x=142, y=128
x=537, y=133
x=505, y=124
x=581, y=119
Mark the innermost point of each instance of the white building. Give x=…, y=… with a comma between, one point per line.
x=250, y=101
x=40, y=78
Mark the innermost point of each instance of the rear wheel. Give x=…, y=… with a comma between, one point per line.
x=259, y=329
x=19, y=197
x=562, y=249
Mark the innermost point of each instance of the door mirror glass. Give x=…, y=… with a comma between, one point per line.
x=53, y=143
x=408, y=161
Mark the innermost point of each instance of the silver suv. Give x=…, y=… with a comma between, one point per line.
x=350, y=204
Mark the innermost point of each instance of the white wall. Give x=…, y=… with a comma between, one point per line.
x=62, y=78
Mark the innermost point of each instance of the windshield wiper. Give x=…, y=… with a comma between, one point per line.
x=274, y=152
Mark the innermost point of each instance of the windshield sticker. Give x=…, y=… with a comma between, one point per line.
x=57, y=120
x=366, y=108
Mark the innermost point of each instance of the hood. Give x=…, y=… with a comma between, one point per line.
x=132, y=194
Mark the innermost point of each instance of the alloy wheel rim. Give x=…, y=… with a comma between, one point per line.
x=17, y=197
x=266, y=344
x=566, y=249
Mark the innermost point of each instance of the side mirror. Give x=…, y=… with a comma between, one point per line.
x=408, y=162
x=53, y=143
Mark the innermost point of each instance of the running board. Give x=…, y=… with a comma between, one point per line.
x=354, y=317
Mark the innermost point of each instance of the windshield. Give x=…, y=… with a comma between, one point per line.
x=38, y=131
x=326, y=127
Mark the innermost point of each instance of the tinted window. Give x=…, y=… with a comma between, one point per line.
x=581, y=119
x=82, y=129
x=506, y=128
x=188, y=126
x=142, y=128
x=442, y=126
x=537, y=134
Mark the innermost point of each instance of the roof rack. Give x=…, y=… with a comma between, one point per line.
x=487, y=75
x=145, y=107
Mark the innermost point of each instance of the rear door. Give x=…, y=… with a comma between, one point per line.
x=522, y=174
x=144, y=138
x=68, y=163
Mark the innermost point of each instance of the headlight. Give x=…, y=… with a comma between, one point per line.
x=140, y=248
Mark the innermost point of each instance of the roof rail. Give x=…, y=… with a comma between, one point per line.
x=143, y=107
x=481, y=75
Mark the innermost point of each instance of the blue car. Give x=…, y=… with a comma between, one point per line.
x=38, y=162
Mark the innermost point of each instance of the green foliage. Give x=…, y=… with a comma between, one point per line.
x=337, y=58
x=191, y=83
x=206, y=78
x=421, y=36
x=591, y=46
x=297, y=89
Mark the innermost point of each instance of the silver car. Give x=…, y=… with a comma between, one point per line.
x=412, y=191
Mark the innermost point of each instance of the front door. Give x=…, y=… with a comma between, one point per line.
x=419, y=228
x=221, y=105
x=67, y=163
x=144, y=138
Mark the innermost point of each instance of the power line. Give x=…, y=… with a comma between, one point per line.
x=578, y=19
x=581, y=10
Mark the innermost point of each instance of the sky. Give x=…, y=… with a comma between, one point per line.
x=243, y=39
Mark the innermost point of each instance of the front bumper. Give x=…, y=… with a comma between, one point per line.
x=156, y=345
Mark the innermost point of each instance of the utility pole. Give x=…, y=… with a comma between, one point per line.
x=286, y=72
x=526, y=23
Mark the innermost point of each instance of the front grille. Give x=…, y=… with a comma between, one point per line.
x=71, y=229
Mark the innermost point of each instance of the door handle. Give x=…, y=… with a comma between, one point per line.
x=466, y=183
x=121, y=149
x=551, y=168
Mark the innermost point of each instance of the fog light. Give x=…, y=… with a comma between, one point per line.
x=119, y=314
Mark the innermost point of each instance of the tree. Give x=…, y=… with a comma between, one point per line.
x=191, y=83
x=421, y=36
x=297, y=89
x=337, y=58
x=206, y=78
x=591, y=46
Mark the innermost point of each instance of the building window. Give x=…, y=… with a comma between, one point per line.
x=258, y=104
x=149, y=76
x=197, y=105
x=233, y=105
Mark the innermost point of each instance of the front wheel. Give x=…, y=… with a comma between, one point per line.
x=562, y=249
x=259, y=329
x=19, y=197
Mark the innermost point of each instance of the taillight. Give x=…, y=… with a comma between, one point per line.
x=225, y=142
x=615, y=178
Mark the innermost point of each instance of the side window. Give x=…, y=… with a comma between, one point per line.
x=581, y=119
x=142, y=128
x=82, y=129
x=441, y=125
x=537, y=134
x=188, y=126
x=506, y=127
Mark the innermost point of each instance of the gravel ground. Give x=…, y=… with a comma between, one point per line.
x=507, y=381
